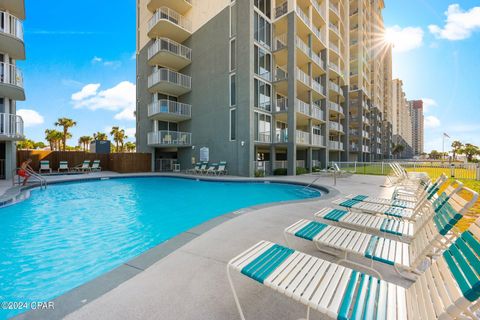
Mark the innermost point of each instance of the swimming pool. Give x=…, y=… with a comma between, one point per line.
x=71, y=233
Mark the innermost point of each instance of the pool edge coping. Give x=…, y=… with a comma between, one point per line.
x=89, y=291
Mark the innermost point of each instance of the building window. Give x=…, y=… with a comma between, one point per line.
x=263, y=127
x=263, y=95
x=233, y=90
x=233, y=55
x=263, y=63
x=262, y=30
x=233, y=124
x=233, y=20
x=264, y=6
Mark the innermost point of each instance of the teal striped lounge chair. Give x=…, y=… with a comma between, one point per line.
x=63, y=166
x=195, y=168
x=96, y=166
x=84, y=167
x=448, y=289
x=392, y=211
x=380, y=254
x=202, y=168
x=211, y=169
x=222, y=168
x=390, y=227
x=414, y=194
x=45, y=166
x=430, y=191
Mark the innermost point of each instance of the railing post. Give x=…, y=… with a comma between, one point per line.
x=478, y=172
x=383, y=168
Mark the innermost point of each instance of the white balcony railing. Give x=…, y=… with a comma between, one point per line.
x=317, y=87
x=334, y=47
x=281, y=10
x=303, y=16
x=303, y=77
x=173, y=77
x=334, y=28
x=334, y=8
x=336, y=126
x=333, y=66
x=365, y=134
x=281, y=105
x=317, y=140
x=302, y=45
x=165, y=137
x=264, y=137
x=317, y=113
x=10, y=74
x=335, y=145
x=11, y=126
x=165, y=13
x=335, y=107
x=335, y=87
x=366, y=149
x=169, y=107
x=281, y=136
x=302, y=107
x=280, y=74
x=11, y=25
x=365, y=120
x=280, y=42
x=167, y=45
x=302, y=137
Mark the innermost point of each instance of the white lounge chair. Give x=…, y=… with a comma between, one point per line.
x=44, y=166
x=449, y=288
x=211, y=169
x=222, y=168
x=63, y=166
x=202, y=169
x=380, y=254
x=96, y=166
x=84, y=167
x=195, y=168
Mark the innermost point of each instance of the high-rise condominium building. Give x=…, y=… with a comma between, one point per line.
x=416, y=107
x=12, y=48
x=261, y=84
x=402, y=120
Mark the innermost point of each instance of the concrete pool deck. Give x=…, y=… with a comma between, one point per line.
x=186, y=278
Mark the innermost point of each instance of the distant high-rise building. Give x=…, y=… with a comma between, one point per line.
x=401, y=120
x=416, y=107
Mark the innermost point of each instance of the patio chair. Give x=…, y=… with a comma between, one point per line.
x=379, y=254
x=167, y=139
x=211, y=169
x=428, y=191
x=63, y=166
x=202, y=169
x=448, y=289
x=84, y=167
x=395, y=228
x=195, y=168
x=221, y=170
x=96, y=166
x=45, y=166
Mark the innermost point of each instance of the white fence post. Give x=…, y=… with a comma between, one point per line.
x=478, y=172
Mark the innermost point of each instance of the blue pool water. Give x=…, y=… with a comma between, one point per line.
x=71, y=233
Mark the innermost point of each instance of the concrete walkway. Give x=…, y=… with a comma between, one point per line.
x=191, y=282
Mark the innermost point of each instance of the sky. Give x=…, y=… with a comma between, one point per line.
x=81, y=64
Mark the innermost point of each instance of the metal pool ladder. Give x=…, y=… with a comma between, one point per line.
x=34, y=175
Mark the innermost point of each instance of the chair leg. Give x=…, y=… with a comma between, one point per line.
x=237, y=302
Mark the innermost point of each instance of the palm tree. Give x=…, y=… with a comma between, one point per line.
x=118, y=136
x=66, y=123
x=456, y=147
x=84, y=141
x=130, y=146
x=99, y=136
x=53, y=137
x=397, y=149
x=470, y=150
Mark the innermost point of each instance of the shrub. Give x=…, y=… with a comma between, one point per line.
x=280, y=172
x=316, y=169
x=301, y=171
x=259, y=174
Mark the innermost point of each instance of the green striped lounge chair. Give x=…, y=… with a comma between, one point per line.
x=222, y=168
x=202, y=168
x=405, y=204
x=96, y=166
x=63, y=166
x=413, y=194
x=85, y=166
x=195, y=168
x=379, y=254
x=448, y=289
x=45, y=166
x=390, y=227
x=211, y=169
x=396, y=212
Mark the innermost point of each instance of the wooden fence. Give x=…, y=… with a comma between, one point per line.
x=118, y=162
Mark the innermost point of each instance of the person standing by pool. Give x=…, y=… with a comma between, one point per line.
x=23, y=171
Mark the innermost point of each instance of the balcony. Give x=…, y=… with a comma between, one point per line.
x=281, y=10
x=335, y=29
x=334, y=48
x=355, y=148
x=303, y=77
x=335, y=68
x=169, y=110
x=366, y=149
x=335, y=107
x=335, y=88
x=334, y=8
x=365, y=134
x=169, y=82
x=181, y=6
x=365, y=120
x=168, y=23
x=317, y=113
x=302, y=137
x=264, y=137
x=281, y=136
x=11, y=127
x=302, y=107
x=166, y=138
x=303, y=16
x=11, y=82
x=169, y=53
x=336, y=126
x=11, y=36
x=335, y=145
x=281, y=105
x=317, y=87
x=317, y=140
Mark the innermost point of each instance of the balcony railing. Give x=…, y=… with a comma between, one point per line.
x=169, y=107
x=281, y=10
x=334, y=28
x=303, y=77
x=280, y=42
x=336, y=126
x=316, y=58
x=335, y=145
x=317, y=113
x=334, y=47
x=165, y=13
x=334, y=67
x=280, y=74
x=302, y=107
x=281, y=105
x=11, y=126
x=173, y=77
x=366, y=149
x=264, y=137
x=11, y=25
x=365, y=134
x=317, y=140
x=317, y=87
x=303, y=16
x=281, y=136
x=165, y=137
x=318, y=7
x=10, y=74
x=335, y=87
x=335, y=107
x=302, y=137
x=302, y=46
x=334, y=8
x=167, y=45
x=365, y=120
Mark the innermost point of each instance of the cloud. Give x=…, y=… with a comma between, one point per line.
x=87, y=91
x=121, y=98
x=404, y=39
x=114, y=64
x=432, y=122
x=428, y=103
x=30, y=117
x=459, y=23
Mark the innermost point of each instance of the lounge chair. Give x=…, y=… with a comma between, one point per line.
x=96, y=166
x=195, y=168
x=429, y=191
x=211, y=169
x=202, y=169
x=448, y=289
x=222, y=168
x=378, y=253
x=85, y=166
x=45, y=166
x=394, y=228
x=423, y=207
x=63, y=166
